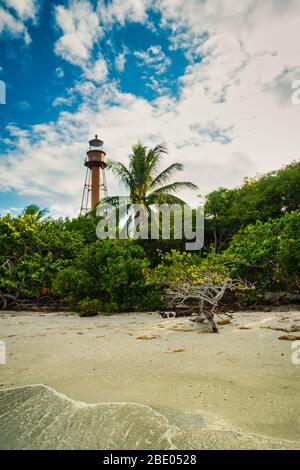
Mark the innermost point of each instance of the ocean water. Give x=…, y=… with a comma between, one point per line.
x=39, y=417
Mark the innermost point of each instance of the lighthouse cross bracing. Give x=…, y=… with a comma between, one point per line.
x=95, y=184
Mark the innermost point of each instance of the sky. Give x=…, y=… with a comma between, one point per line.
x=212, y=79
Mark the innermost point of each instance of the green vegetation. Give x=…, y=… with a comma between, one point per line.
x=110, y=271
x=262, y=198
x=252, y=233
x=268, y=254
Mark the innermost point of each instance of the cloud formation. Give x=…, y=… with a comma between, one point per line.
x=120, y=61
x=233, y=116
x=97, y=71
x=15, y=15
x=154, y=58
x=80, y=29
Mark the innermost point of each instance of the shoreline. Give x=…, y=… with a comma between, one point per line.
x=242, y=378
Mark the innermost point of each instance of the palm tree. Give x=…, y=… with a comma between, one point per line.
x=146, y=184
x=35, y=211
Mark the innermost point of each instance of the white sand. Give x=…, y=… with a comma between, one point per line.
x=241, y=382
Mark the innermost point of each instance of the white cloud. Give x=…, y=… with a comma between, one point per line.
x=212, y=132
x=60, y=210
x=25, y=9
x=63, y=101
x=97, y=72
x=15, y=21
x=120, y=61
x=9, y=24
x=60, y=72
x=12, y=210
x=121, y=11
x=155, y=58
x=80, y=30
x=160, y=87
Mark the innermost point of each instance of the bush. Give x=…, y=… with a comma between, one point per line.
x=266, y=196
x=177, y=265
x=31, y=253
x=111, y=271
x=268, y=254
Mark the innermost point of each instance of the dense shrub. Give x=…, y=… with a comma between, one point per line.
x=31, y=253
x=261, y=198
x=111, y=271
x=268, y=254
x=176, y=265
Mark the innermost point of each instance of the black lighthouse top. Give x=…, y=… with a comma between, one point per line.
x=95, y=154
x=96, y=143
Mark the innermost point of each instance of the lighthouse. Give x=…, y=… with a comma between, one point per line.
x=95, y=185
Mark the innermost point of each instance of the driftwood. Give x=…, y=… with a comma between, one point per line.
x=11, y=302
x=201, y=297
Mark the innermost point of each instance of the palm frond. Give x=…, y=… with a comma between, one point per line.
x=116, y=201
x=164, y=199
x=121, y=172
x=174, y=187
x=166, y=174
x=154, y=157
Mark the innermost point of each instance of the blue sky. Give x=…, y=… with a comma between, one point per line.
x=213, y=83
x=36, y=75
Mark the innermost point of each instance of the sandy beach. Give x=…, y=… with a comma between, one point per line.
x=137, y=380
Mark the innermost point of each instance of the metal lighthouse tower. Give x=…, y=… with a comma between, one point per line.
x=95, y=185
